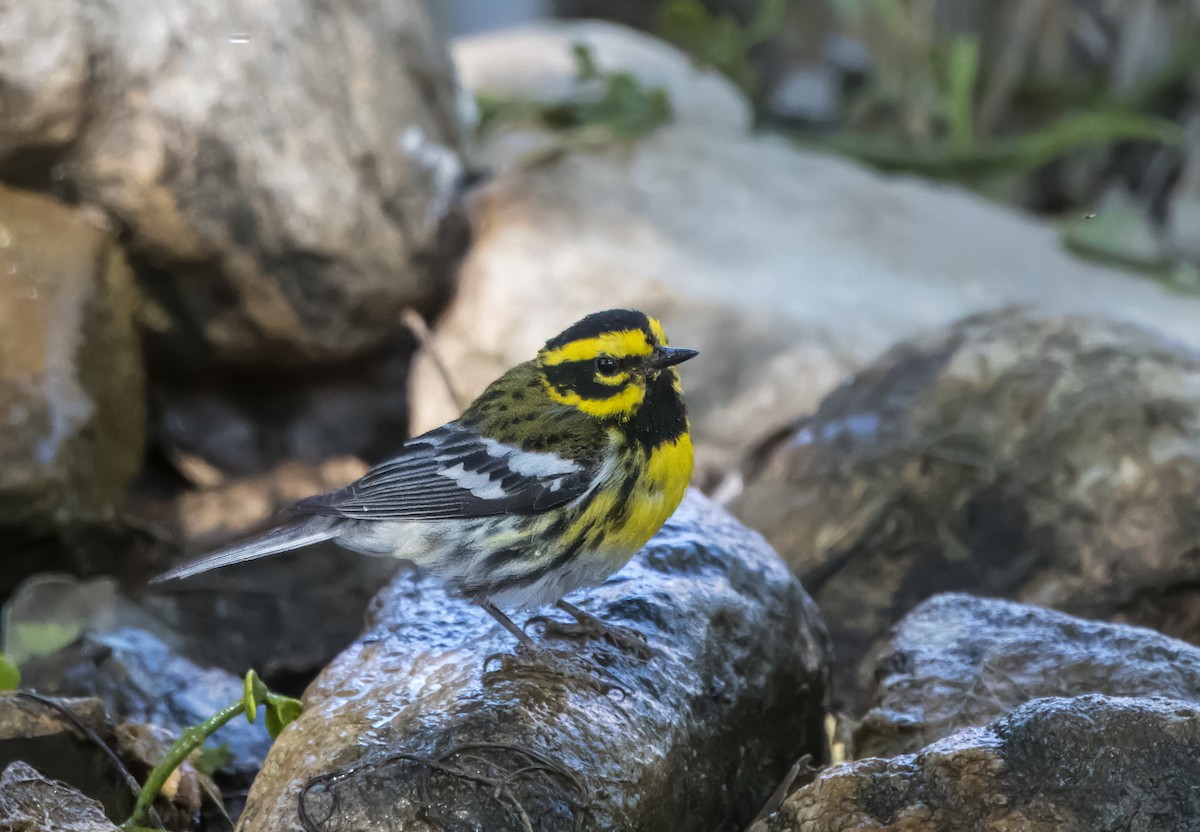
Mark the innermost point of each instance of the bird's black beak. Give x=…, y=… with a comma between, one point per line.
x=670, y=356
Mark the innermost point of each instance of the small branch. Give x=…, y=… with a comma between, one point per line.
x=420, y=330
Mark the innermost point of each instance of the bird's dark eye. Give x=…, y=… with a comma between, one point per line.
x=607, y=366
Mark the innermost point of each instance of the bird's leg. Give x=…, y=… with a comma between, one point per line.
x=589, y=626
x=507, y=623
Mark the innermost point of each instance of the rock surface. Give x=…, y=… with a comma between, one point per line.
x=140, y=680
x=70, y=366
x=71, y=379
x=958, y=661
x=286, y=172
x=1052, y=461
x=1089, y=764
x=694, y=739
x=787, y=269
x=30, y=802
x=40, y=735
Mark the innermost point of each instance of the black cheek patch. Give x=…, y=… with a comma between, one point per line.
x=580, y=377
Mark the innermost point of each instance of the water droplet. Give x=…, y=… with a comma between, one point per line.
x=32, y=293
x=239, y=37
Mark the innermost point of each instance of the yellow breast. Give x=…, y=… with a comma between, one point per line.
x=659, y=488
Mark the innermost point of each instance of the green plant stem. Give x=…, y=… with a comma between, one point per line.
x=1003, y=155
x=191, y=739
x=964, y=67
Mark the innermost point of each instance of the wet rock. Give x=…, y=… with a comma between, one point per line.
x=71, y=380
x=140, y=680
x=30, y=802
x=265, y=234
x=815, y=266
x=1089, y=764
x=42, y=735
x=695, y=738
x=1052, y=461
x=958, y=661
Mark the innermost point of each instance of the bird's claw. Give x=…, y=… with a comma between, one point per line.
x=545, y=661
x=587, y=626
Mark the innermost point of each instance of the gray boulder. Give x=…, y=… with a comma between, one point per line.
x=52, y=737
x=958, y=661
x=286, y=172
x=407, y=729
x=1051, y=461
x=1088, y=764
x=140, y=680
x=30, y=802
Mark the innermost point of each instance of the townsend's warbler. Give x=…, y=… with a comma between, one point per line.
x=550, y=481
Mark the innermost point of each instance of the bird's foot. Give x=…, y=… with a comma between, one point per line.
x=588, y=626
x=542, y=660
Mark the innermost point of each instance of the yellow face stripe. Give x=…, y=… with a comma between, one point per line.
x=612, y=381
x=657, y=329
x=621, y=404
x=627, y=342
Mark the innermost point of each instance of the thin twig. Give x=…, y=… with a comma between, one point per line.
x=420, y=330
x=781, y=791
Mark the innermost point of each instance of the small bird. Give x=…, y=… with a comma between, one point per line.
x=549, y=482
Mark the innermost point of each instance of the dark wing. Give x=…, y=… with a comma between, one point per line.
x=453, y=472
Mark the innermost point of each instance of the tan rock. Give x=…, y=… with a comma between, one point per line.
x=72, y=407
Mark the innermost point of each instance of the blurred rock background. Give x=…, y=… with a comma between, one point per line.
x=941, y=259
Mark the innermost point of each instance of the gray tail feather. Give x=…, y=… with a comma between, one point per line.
x=284, y=538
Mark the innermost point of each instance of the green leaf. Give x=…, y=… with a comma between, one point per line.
x=210, y=758
x=280, y=711
x=10, y=676
x=254, y=693
x=1185, y=279
x=616, y=103
x=1124, y=238
x=585, y=63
